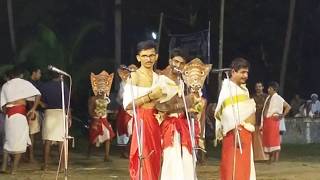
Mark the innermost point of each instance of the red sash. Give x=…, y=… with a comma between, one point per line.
x=151, y=142
x=18, y=109
x=96, y=129
x=169, y=125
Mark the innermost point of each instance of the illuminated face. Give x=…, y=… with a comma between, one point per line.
x=177, y=62
x=240, y=76
x=147, y=57
x=259, y=88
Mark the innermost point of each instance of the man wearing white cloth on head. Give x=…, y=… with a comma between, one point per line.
x=14, y=94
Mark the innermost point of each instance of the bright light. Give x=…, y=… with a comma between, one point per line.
x=154, y=35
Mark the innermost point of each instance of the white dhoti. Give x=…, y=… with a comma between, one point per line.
x=177, y=161
x=16, y=134
x=34, y=125
x=53, y=125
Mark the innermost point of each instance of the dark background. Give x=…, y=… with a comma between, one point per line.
x=78, y=36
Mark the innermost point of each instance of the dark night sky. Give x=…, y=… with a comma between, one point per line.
x=250, y=26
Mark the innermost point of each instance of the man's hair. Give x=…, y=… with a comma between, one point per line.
x=239, y=63
x=177, y=52
x=274, y=85
x=33, y=68
x=144, y=45
x=259, y=82
x=15, y=72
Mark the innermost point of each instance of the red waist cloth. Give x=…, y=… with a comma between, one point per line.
x=96, y=129
x=271, y=135
x=197, y=132
x=243, y=166
x=168, y=127
x=18, y=109
x=122, y=121
x=151, y=142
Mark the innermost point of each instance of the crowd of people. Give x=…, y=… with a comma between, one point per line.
x=29, y=107
x=305, y=108
x=163, y=132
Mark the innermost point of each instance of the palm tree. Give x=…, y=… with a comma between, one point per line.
x=287, y=45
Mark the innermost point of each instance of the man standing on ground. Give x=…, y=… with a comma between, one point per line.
x=34, y=124
x=259, y=97
x=235, y=113
x=176, y=143
x=274, y=109
x=14, y=95
x=53, y=124
x=146, y=90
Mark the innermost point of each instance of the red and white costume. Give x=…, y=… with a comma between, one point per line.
x=177, y=148
x=16, y=124
x=270, y=122
x=151, y=136
x=241, y=106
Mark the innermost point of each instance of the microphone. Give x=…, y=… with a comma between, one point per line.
x=221, y=70
x=127, y=68
x=54, y=69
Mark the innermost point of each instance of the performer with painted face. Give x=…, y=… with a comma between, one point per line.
x=100, y=129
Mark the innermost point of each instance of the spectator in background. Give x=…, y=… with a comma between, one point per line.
x=295, y=104
x=274, y=109
x=34, y=124
x=305, y=110
x=259, y=98
x=53, y=124
x=315, y=104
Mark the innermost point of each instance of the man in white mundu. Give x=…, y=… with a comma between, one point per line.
x=236, y=109
x=176, y=144
x=14, y=94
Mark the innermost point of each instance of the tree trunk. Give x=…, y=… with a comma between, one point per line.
x=117, y=43
x=287, y=46
x=11, y=29
x=221, y=43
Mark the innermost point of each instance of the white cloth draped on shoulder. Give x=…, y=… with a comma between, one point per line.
x=168, y=87
x=242, y=108
x=16, y=89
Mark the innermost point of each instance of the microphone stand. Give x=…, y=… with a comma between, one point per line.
x=66, y=128
x=139, y=130
x=191, y=128
x=237, y=139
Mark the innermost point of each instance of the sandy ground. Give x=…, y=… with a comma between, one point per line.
x=295, y=164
